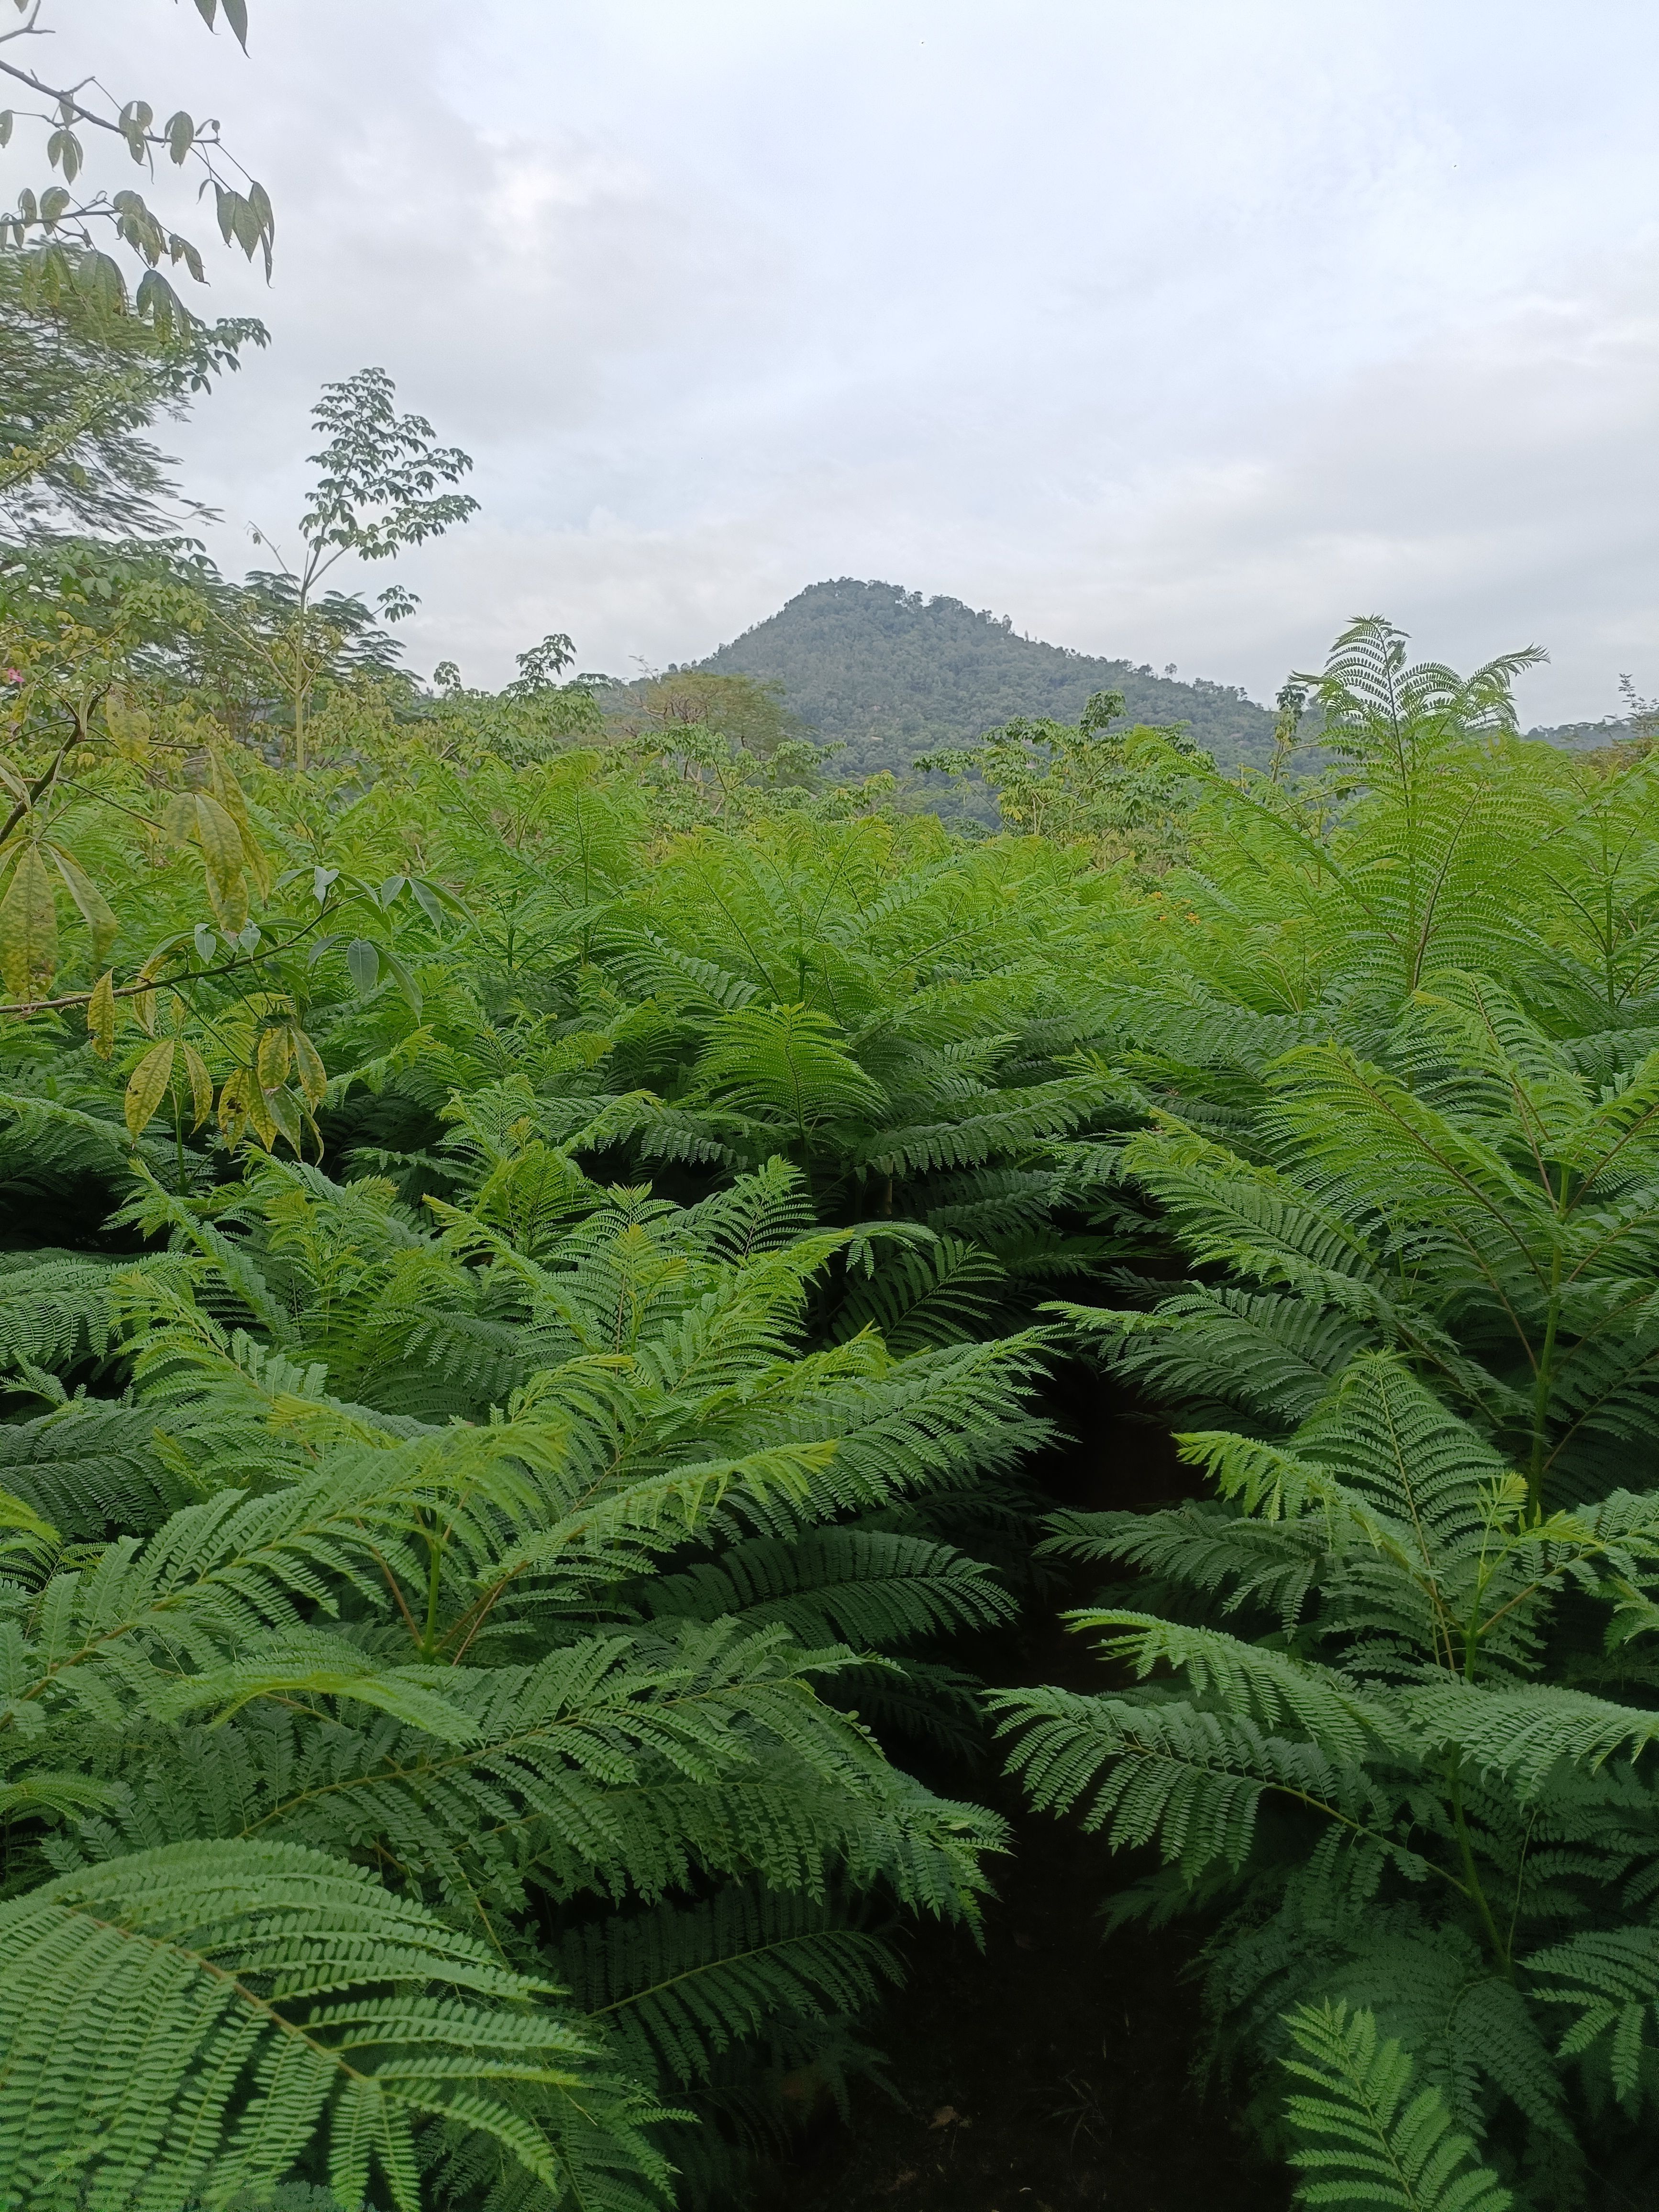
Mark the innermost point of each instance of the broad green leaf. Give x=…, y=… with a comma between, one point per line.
x=94, y=907
x=405, y=982
x=64, y=151
x=363, y=963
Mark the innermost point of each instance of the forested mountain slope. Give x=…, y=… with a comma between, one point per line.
x=890, y=674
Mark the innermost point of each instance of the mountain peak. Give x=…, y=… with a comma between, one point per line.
x=889, y=673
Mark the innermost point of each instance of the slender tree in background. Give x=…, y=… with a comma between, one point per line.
x=377, y=492
x=743, y=707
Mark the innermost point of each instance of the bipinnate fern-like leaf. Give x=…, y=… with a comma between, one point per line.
x=1273, y=1689
x=868, y=1588
x=1273, y=1562
x=1361, y=2138
x=759, y=1213
x=939, y=1293
x=1610, y=1978
x=1189, y=1779
x=91, y=1466
x=440, y=1645
x=995, y=1124
x=178, y=2024
x=788, y=1063
x=1526, y=1735
x=679, y=1985
x=54, y=1310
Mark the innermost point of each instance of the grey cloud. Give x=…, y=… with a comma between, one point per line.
x=1181, y=331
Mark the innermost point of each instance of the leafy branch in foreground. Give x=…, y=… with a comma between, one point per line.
x=478, y=1598
x=1362, y=2139
x=40, y=219
x=1369, y=1699
x=188, y=2018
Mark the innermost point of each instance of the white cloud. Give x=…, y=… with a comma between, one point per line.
x=1177, y=329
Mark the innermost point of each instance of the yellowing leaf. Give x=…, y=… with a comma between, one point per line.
x=143, y=1008
x=94, y=906
x=309, y=1066
x=284, y=1112
x=271, y=1060
x=28, y=927
x=100, y=1015
x=129, y=726
x=230, y=911
x=147, y=1086
x=234, y=1097
x=259, y=1114
x=201, y=1085
x=220, y=842
x=231, y=796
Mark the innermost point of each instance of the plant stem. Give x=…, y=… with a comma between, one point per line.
x=1471, y=1875
x=1541, y=1395
x=434, y=1562
x=300, y=689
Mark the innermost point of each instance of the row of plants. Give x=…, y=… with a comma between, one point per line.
x=504, y=1415
x=1381, y=1693
x=546, y=1325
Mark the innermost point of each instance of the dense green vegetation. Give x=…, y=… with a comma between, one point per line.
x=1382, y=1694
x=887, y=674
x=554, y=1258
x=456, y=1569
x=535, y=1231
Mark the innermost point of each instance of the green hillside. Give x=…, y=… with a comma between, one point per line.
x=890, y=674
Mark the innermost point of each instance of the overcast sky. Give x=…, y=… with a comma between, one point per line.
x=1178, y=329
